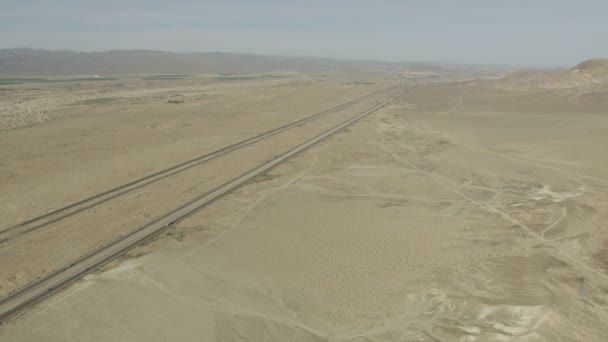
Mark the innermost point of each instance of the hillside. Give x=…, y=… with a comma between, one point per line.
x=590, y=74
x=594, y=69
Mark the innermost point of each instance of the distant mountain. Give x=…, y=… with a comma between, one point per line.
x=24, y=62
x=28, y=61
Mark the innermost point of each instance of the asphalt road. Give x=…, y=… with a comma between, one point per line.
x=9, y=233
x=54, y=282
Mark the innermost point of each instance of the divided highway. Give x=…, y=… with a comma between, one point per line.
x=59, y=279
x=59, y=214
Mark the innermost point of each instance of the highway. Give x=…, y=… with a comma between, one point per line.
x=12, y=232
x=59, y=279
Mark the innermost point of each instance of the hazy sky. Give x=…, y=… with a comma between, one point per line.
x=524, y=32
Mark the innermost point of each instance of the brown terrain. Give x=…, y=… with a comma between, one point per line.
x=463, y=211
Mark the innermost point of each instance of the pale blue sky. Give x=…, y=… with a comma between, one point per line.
x=518, y=32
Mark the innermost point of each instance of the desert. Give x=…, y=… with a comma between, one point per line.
x=460, y=205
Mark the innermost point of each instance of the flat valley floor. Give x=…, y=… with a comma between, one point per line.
x=457, y=213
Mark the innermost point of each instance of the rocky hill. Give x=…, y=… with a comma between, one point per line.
x=590, y=74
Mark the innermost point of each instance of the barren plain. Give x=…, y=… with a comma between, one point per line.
x=463, y=211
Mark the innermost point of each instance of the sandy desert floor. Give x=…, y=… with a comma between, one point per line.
x=84, y=152
x=456, y=214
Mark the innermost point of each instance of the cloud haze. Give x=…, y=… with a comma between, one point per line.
x=534, y=32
